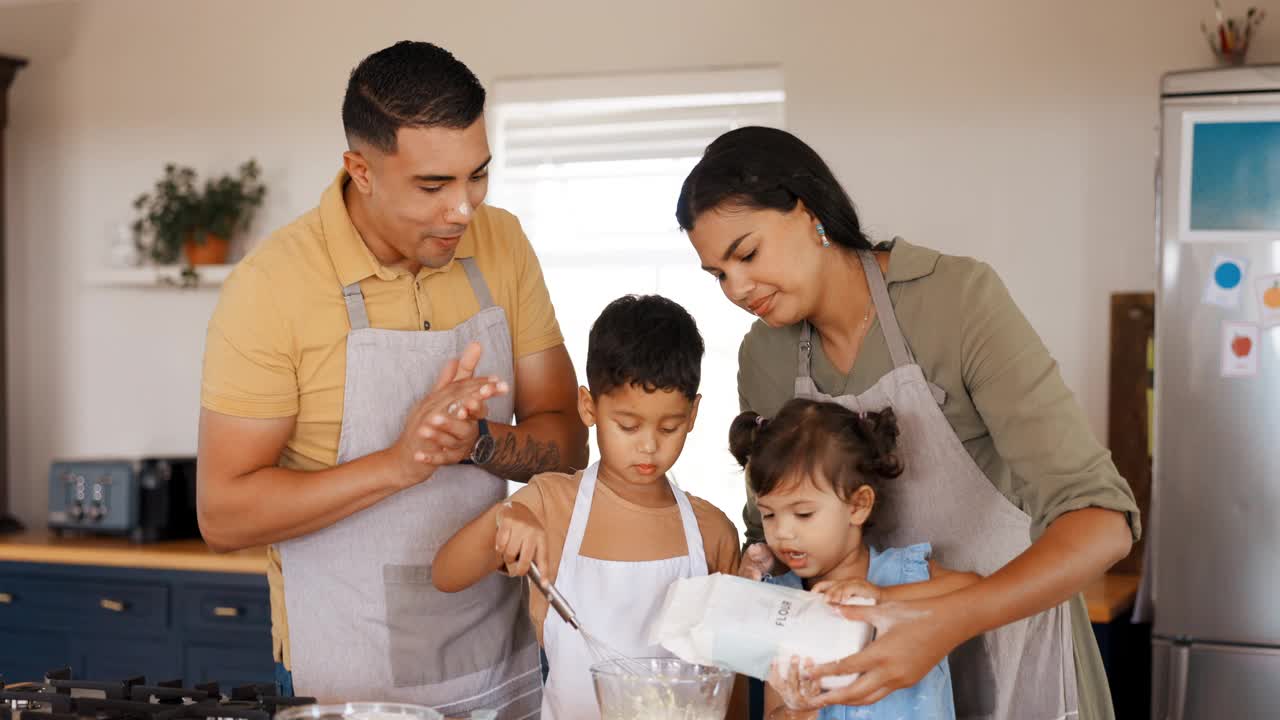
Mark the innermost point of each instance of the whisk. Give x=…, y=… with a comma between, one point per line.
x=601, y=652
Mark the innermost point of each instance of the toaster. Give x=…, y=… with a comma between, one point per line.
x=144, y=499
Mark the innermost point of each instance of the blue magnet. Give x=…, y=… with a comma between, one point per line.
x=1227, y=275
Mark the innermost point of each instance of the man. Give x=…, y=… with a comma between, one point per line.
x=360, y=371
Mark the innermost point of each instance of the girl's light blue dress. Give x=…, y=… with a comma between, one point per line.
x=929, y=699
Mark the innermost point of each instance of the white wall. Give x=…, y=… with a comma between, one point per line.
x=1017, y=132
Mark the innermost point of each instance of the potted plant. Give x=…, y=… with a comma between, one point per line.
x=181, y=217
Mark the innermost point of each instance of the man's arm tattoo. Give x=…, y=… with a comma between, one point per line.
x=513, y=461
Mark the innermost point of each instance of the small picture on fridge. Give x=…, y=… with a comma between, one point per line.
x=1226, y=281
x=1239, y=349
x=1268, y=288
x=1235, y=176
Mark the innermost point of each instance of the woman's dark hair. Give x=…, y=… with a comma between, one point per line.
x=807, y=438
x=762, y=168
x=410, y=84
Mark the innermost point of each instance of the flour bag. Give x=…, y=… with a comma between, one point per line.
x=743, y=625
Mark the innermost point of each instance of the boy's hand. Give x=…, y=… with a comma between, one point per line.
x=521, y=539
x=838, y=592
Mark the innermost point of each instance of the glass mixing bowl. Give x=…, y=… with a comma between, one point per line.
x=661, y=689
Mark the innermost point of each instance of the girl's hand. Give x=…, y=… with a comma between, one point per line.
x=521, y=539
x=757, y=561
x=911, y=637
x=794, y=682
x=838, y=591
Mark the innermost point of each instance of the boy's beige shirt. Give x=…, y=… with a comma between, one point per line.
x=621, y=530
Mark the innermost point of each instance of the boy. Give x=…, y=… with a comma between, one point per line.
x=614, y=536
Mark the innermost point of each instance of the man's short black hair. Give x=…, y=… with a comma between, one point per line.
x=410, y=84
x=644, y=340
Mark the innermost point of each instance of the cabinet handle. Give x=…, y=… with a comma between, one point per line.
x=227, y=612
x=6, y=598
x=113, y=605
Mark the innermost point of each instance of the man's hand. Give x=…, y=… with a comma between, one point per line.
x=442, y=428
x=247, y=500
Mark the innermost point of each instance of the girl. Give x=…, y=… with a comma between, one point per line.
x=817, y=471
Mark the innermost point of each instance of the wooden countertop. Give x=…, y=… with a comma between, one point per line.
x=39, y=546
x=1111, y=597
x=1107, y=598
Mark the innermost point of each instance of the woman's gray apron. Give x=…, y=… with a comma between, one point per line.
x=365, y=623
x=1024, y=670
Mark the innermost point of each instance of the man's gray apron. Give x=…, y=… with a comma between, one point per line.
x=365, y=623
x=1024, y=670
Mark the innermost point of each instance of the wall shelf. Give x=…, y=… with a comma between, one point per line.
x=159, y=276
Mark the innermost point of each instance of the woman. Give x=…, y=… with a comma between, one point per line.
x=1003, y=475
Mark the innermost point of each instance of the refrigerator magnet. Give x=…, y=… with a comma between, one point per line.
x=1268, y=300
x=1226, y=281
x=1239, y=349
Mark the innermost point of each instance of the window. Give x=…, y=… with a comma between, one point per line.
x=592, y=167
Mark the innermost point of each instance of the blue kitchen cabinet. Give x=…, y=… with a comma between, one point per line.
x=30, y=653
x=111, y=623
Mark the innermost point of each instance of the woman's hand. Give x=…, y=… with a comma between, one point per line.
x=911, y=637
x=757, y=561
x=521, y=539
x=914, y=635
x=837, y=592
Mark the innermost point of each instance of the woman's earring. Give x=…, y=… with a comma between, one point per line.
x=822, y=235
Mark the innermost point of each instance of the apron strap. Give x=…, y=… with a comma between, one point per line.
x=582, y=510
x=692, y=535
x=478, y=285
x=356, y=311
x=898, y=349
x=358, y=314
x=578, y=520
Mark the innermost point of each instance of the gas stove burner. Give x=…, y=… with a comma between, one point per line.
x=7, y=713
x=171, y=692
x=62, y=697
x=29, y=697
x=62, y=681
